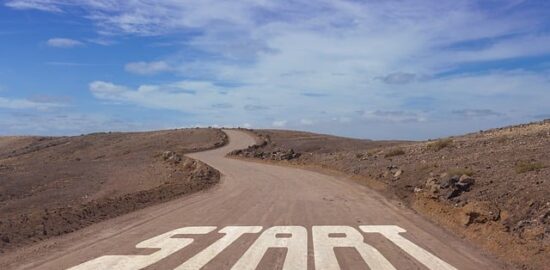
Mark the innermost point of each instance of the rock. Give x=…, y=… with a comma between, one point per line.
x=455, y=192
x=479, y=212
x=432, y=186
x=5, y=238
x=171, y=157
x=398, y=173
x=167, y=154
x=449, y=181
x=282, y=155
x=417, y=190
x=536, y=232
x=465, y=182
x=392, y=168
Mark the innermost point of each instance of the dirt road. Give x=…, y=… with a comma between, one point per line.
x=260, y=217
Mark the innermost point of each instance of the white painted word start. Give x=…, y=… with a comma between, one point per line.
x=293, y=238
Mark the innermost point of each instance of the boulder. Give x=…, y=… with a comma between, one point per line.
x=432, y=186
x=479, y=212
x=465, y=182
x=171, y=156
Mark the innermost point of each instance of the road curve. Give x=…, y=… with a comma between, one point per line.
x=279, y=218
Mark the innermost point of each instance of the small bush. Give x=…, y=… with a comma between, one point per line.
x=460, y=172
x=440, y=144
x=395, y=152
x=527, y=166
x=372, y=152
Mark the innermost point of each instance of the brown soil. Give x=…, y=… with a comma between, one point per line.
x=491, y=187
x=55, y=185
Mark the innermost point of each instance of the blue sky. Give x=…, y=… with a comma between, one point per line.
x=368, y=69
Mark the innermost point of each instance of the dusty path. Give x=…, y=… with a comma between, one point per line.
x=286, y=210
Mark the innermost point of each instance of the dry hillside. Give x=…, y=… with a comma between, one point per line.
x=54, y=185
x=491, y=187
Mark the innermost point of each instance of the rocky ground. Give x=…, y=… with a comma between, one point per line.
x=55, y=185
x=491, y=187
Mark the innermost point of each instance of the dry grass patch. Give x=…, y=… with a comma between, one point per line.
x=460, y=172
x=395, y=152
x=528, y=166
x=439, y=144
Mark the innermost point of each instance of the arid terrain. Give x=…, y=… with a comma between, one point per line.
x=491, y=187
x=68, y=201
x=51, y=186
x=260, y=216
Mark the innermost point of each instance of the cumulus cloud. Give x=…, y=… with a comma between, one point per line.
x=63, y=43
x=184, y=96
x=147, y=68
x=303, y=59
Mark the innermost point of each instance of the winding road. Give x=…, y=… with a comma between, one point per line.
x=262, y=216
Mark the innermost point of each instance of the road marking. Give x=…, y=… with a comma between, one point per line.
x=293, y=238
x=420, y=254
x=296, y=244
x=324, y=244
x=232, y=233
x=165, y=242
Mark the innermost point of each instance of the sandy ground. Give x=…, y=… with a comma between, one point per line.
x=255, y=194
x=503, y=204
x=50, y=186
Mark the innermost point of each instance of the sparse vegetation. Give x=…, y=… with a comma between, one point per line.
x=440, y=144
x=503, y=139
x=528, y=166
x=460, y=171
x=372, y=152
x=395, y=152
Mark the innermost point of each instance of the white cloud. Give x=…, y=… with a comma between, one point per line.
x=384, y=58
x=19, y=104
x=148, y=68
x=185, y=96
x=394, y=116
x=279, y=123
x=306, y=122
x=38, y=5
x=63, y=43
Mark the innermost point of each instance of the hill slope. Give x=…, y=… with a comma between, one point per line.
x=492, y=187
x=54, y=185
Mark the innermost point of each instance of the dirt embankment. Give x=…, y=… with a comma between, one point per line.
x=491, y=187
x=55, y=185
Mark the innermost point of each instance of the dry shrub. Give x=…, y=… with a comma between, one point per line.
x=528, y=166
x=395, y=152
x=440, y=144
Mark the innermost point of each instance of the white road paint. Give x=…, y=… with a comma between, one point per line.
x=165, y=242
x=324, y=244
x=232, y=233
x=293, y=238
x=426, y=258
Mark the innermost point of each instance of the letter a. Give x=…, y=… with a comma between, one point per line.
x=296, y=244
